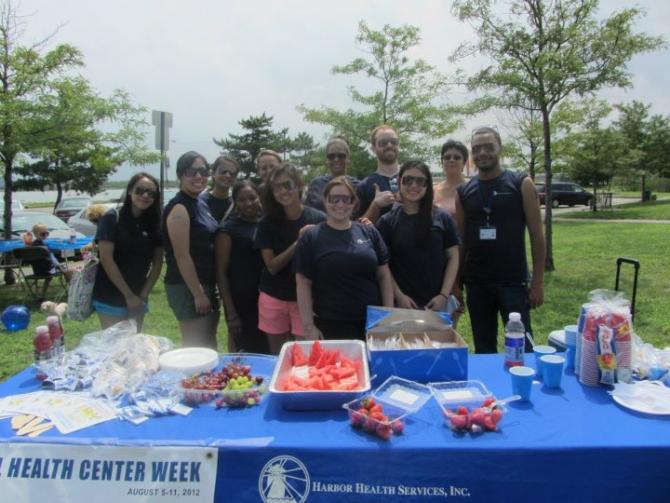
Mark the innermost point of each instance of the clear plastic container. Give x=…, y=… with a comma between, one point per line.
x=398, y=398
x=222, y=397
x=453, y=394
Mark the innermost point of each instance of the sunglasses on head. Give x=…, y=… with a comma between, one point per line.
x=141, y=191
x=287, y=185
x=336, y=155
x=408, y=180
x=192, y=172
x=339, y=198
x=455, y=157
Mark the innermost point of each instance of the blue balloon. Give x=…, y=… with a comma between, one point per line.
x=15, y=318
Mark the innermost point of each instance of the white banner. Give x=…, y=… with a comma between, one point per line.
x=101, y=474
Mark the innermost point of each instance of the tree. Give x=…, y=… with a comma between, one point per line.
x=27, y=73
x=523, y=147
x=71, y=150
x=548, y=51
x=260, y=135
x=409, y=98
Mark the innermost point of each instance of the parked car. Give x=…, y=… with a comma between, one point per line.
x=16, y=206
x=81, y=223
x=23, y=221
x=565, y=193
x=70, y=206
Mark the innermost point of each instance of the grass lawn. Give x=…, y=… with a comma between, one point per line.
x=585, y=258
x=651, y=210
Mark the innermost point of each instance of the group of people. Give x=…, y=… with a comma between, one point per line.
x=286, y=266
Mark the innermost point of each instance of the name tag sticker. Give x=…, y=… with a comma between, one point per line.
x=487, y=233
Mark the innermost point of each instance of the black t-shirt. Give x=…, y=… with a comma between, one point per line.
x=502, y=260
x=418, y=268
x=217, y=207
x=42, y=267
x=366, y=191
x=134, y=246
x=203, y=229
x=342, y=266
x=314, y=197
x=278, y=236
x=246, y=263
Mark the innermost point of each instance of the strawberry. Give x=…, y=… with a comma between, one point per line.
x=496, y=415
x=462, y=410
x=370, y=424
x=368, y=402
x=398, y=426
x=384, y=431
x=478, y=416
x=488, y=401
x=489, y=424
x=376, y=408
x=460, y=422
x=357, y=419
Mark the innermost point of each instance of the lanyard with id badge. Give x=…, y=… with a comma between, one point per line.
x=487, y=232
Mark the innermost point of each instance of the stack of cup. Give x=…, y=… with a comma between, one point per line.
x=571, y=343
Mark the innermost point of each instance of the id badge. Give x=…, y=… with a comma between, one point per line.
x=487, y=233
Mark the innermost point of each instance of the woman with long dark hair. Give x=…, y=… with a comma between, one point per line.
x=131, y=253
x=284, y=221
x=422, y=241
x=238, y=270
x=341, y=268
x=189, y=230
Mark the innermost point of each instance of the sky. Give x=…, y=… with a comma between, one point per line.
x=212, y=63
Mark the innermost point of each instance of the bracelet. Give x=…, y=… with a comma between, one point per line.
x=443, y=295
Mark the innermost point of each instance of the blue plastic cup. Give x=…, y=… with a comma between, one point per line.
x=522, y=381
x=571, y=343
x=552, y=370
x=539, y=352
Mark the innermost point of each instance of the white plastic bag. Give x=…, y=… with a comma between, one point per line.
x=80, y=292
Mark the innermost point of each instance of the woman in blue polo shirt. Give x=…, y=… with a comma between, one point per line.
x=189, y=230
x=341, y=268
x=238, y=270
x=422, y=242
x=131, y=254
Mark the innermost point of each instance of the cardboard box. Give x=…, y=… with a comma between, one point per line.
x=421, y=365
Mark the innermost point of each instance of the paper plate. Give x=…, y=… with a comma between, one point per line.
x=641, y=403
x=189, y=360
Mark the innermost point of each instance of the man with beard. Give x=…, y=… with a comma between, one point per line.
x=377, y=191
x=493, y=211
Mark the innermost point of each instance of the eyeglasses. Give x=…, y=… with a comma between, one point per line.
x=382, y=142
x=337, y=198
x=336, y=155
x=192, y=172
x=452, y=158
x=287, y=185
x=140, y=191
x=408, y=180
x=228, y=172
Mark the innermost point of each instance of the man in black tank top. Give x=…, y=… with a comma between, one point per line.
x=493, y=211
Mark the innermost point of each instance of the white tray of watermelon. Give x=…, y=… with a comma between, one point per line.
x=320, y=375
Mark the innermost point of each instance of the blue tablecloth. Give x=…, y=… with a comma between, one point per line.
x=63, y=244
x=9, y=245
x=574, y=444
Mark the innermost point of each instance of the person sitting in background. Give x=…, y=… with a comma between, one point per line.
x=46, y=267
x=337, y=161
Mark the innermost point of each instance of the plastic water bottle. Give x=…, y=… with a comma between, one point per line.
x=515, y=334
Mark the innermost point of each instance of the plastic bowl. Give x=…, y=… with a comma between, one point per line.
x=189, y=360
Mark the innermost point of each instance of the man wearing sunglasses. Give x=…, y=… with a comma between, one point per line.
x=337, y=162
x=224, y=174
x=493, y=211
x=377, y=192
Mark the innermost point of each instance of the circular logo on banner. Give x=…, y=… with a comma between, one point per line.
x=284, y=479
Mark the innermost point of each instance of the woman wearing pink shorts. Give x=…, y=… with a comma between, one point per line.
x=284, y=221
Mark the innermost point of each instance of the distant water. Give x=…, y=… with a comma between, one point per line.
x=49, y=196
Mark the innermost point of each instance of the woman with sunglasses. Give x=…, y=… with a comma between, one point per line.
x=341, y=268
x=337, y=161
x=189, y=230
x=224, y=173
x=238, y=270
x=131, y=254
x=422, y=241
x=454, y=157
x=285, y=219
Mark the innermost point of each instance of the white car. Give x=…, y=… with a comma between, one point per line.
x=16, y=206
x=80, y=223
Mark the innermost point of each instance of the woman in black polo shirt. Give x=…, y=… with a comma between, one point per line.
x=189, y=230
x=341, y=268
x=238, y=270
x=131, y=254
x=422, y=242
